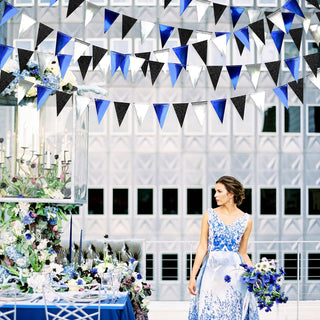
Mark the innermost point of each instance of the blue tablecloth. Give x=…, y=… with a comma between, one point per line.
x=121, y=310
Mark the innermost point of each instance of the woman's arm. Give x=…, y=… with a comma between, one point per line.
x=244, y=244
x=201, y=253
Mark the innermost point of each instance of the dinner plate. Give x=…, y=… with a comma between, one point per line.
x=86, y=298
x=6, y=296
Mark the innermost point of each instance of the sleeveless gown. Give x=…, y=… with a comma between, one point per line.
x=216, y=298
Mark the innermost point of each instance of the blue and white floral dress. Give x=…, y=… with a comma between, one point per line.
x=217, y=298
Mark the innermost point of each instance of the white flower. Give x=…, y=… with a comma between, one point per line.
x=24, y=207
x=68, y=78
x=54, y=69
x=145, y=302
x=43, y=255
x=37, y=280
x=31, y=240
x=8, y=238
x=22, y=262
x=52, y=268
x=17, y=227
x=102, y=267
x=56, y=194
x=11, y=66
x=43, y=244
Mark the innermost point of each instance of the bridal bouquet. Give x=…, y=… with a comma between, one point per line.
x=265, y=282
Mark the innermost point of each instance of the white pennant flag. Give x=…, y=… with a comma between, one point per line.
x=91, y=10
x=253, y=15
x=194, y=73
x=23, y=87
x=259, y=44
x=80, y=47
x=254, y=72
x=307, y=21
x=145, y=29
x=315, y=32
x=104, y=64
x=202, y=6
x=277, y=19
x=315, y=80
x=163, y=56
x=200, y=109
x=203, y=36
x=25, y=23
x=81, y=104
x=44, y=60
x=135, y=65
x=258, y=98
x=221, y=43
x=141, y=111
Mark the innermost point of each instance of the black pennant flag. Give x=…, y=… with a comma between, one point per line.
x=273, y=68
x=318, y=15
x=184, y=35
x=43, y=32
x=296, y=35
x=258, y=28
x=201, y=48
x=97, y=54
x=166, y=3
x=24, y=56
x=214, y=73
x=313, y=62
x=73, y=5
x=270, y=23
x=121, y=110
x=180, y=109
x=314, y=3
x=127, y=24
x=155, y=68
x=297, y=88
x=84, y=62
x=218, y=10
x=239, y=102
x=5, y=79
x=61, y=100
x=239, y=44
x=146, y=57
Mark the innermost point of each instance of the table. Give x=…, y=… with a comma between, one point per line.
x=121, y=310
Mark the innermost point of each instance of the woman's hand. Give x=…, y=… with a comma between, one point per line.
x=192, y=286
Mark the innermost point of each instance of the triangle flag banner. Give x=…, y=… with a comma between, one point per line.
x=43, y=32
x=293, y=65
x=297, y=88
x=234, y=73
x=161, y=110
x=253, y=15
x=79, y=48
x=296, y=35
x=227, y=34
x=293, y=6
x=25, y=23
x=202, y=6
x=146, y=57
x=182, y=54
x=121, y=110
x=254, y=71
x=273, y=68
x=194, y=73
x=184, y=35
x=174, y=69
x=84, y=62
x=239, y=103
x=62, y=40
x=318, y=15
x=23, y=87
x=307, y=21
x=287, y=19
x=8, y=13
x=119, y=60
x=145, y=29
x=201, y=48
x=315, y=32
x=315, y=79
x=155, y=68
x=219, y=106
x=240, y=45
x=277, y=19
x=180, y=110
x=24, y=57
x=277, y=37
x=258, y=98
x=5, y=79
x=165, y=33
x=61, y=100
x=221, y=43
x=91, y=10
x=243, y=36
x=258, y=28
x=135, y=66
x=141, y=111
x=127, y=24
x=183, y=5
x=270, y=24
x=73, y=5
x=42, y=95
x=282, y=93
x=313, y=62
x=218, y=10
x=166, y=3
x=5, y=52
x=82, y=103
x=101, y=107
x=214, y=73
x=125, y=65
x=199, y=109
x=236, y=13
x=97, y=54
x=314, y=3
x=109, y=18
x=162, y=56
x=52, y=2
x=104, y=64
x=44, y=59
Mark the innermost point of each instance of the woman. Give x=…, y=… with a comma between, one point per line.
x=218, y=292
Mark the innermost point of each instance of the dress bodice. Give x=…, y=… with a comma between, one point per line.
x=224, y=237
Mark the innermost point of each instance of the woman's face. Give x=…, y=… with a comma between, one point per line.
x=222, y=195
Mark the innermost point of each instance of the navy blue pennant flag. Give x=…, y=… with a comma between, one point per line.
x=8, y=13
x=243, y=36
x=5, y=52
x=182, y=54
x=101, y=107
x=161, y=110
x=183, y=5
x=293, y=65
x=109, y=18
x=287, y=19
x=174, y=69
x=165, y=33
x=293, y=6
x=219, y=106
x=64, y=62
x=277, y=37
x=234, y=73
x=180, y=109
x=62, y=40
x=282, y=93
x=236, y=13
x=42, y=95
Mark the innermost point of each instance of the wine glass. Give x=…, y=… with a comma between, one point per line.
x=107, y=283
x=116, y=279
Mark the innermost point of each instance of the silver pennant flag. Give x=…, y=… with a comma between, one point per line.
x=23, y=87
x=145, y=29
x=315, y=32
x=277, y=19
x=307, y=21
x=203, y=35
x=135, y=65
x=25, y=23
x=200, y=109
x=44, y=60
x=221, y=43
x=258, y=98
x=259, y=44
x=254, y=72
x=202, y=6
x=141, y=111
x=91, y=10
x=81, y=104
x=163, y=56
x=79, y=48
x=315, y=80
x=253, y=15
x=104, y=64
x=194, y=73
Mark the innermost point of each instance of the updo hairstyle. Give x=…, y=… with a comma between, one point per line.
x=233, y=186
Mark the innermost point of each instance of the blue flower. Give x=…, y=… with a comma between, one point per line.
x=94, y=271
x=139, y=277
x=28, y=236
x=80, y=282
x=132, y=260
x=27, y=219
x=227, y=278
x=52, y=251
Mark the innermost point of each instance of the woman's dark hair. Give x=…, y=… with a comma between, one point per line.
x=233, y=186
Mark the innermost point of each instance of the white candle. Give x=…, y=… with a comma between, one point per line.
x=59, y=171
x=8, y=144
x=1, y=156
x=48, y=163
x=35, y=145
